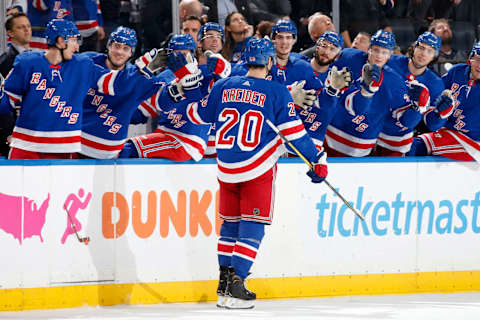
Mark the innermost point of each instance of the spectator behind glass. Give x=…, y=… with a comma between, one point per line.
x=237, y=34
x=20, y=32
x=362, y=41
x=363, y=15
x=303, y=10
x=218, y=10
x=423, y=11
x=192, y=25
x=190, y=8
x=448, y=54
x=318, y=24
x=264, y=28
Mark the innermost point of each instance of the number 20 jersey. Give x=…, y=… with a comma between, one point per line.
x=246, y=145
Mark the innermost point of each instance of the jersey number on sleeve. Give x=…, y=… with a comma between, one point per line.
x=249, y=130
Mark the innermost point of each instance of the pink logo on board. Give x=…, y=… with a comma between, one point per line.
x=11, y=216
x=72, y=204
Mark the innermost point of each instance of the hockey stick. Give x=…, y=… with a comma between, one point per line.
x=277, y=131
x=85, y=240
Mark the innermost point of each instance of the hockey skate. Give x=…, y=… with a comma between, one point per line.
x=225, y=275
x=239, y=296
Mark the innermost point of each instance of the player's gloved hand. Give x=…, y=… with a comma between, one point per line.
x=445, y=104
x=185, y=69
x=320, y=169
x=337, y=81
x=419, y=95
x=301, y=97
x=175, y=91
x=152, y=61
x=217, y=64
x=371, y=79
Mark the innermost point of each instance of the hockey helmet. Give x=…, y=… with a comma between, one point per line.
x=430, y=39
x=124, y=35
x=210, y=26
x=475, y=50
x=60, y=28
x=284, y=25
x=332, y=37
x=182, y=42
x=258, y=51
x=383, y=38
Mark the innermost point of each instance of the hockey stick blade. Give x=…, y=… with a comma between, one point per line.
x=277, y=131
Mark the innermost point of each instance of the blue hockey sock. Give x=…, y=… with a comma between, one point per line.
x=250, y=236
x=418, y=148
x=128, y=151
x=228, y=237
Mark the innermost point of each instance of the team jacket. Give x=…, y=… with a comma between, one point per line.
x=51, y=99
x=395, y=136
x=106, y=118
x=246, y=146
x=355, y=127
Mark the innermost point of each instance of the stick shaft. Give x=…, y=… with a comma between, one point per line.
x=277, y=131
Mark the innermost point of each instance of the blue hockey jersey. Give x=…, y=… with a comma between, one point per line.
x=40, y=12
x=355, y=127
x=51, y=99
x=106, y=118
x=466, y=92
x=246, y=146
x=87, y=16
x=395, y=136
x=173, y=119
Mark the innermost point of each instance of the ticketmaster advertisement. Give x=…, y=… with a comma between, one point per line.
x=147, y=222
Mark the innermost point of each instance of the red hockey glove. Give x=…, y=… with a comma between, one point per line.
x=445, y=104
x=217, y=64
x=419, y=95
x=320, y=169
x=185, y=69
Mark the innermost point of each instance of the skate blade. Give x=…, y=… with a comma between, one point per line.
x=222, y=301
x=234, y=303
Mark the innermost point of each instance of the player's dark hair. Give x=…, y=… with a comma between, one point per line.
x=410, y=50
x=189, y=18
x=11, y=17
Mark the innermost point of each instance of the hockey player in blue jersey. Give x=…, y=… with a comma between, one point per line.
x=40, y=12
x=455, y=119
x=395, y=139
x=354, y=129
x=247, y=152
x=211, y=38
x=176, y=138
x=50, y=88
x=106, y=118
x=317, y=116
x=290, y=68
